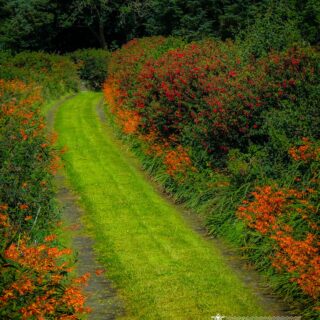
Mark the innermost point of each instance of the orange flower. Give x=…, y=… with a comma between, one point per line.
x=99, y=272
x=266, y=213
x=3, y=207
x=306, y=152
x=177, y=161
x=50, y=238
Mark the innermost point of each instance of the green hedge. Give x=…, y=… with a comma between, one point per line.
x=235, y=139
x=92, y=66
x=35, y=277
x=55, y=74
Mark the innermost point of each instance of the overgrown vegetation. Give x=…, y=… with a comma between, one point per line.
x=53, y=75
x=34, y=267
x=92, y=66
x=69, y=25
x=233, y=135
x=220, y=103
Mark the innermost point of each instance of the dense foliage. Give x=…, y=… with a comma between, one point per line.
x=236, y=138
x=72, y=24
x=230, y=128
x=34, y=268
x=92, y=66
x=55, y=74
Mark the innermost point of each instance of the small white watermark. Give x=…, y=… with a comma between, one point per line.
x=221, y=317
x=218, y=317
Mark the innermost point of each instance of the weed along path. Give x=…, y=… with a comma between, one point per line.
x=162, y=269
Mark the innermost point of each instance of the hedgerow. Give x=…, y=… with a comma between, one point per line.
x=55, y=74
x=34, y=267
x=236, y=139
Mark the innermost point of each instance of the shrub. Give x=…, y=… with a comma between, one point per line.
x=126, y=64
x=55, y=74
x=34, y=278
x=92, y=66
x=27, y=157
x=219, y=128
x=205, y=96
x=276, y=29
x=193, y=94
x=285, y=220
x=34, y=270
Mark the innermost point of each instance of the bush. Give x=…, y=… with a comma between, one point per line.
x=124, y=68
x=92, y=66
x=219, y=128
x=276, y=29
x=35, y=282
x=35, y=277
x=204, y=96
x=55, y=74
x=27, y=158
x=284, y=219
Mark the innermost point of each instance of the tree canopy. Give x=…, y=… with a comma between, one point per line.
x=71, y=24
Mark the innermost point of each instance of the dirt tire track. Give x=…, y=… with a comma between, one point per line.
x=101, y=294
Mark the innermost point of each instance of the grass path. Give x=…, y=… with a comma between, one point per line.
x=162, y=268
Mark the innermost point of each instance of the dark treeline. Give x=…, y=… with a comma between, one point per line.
x=55, y=25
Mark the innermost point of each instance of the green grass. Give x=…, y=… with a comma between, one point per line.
x=162, y=268
x=51, y=102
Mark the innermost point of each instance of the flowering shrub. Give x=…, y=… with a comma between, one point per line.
x=288, y=218
x=177, y=161
x=27, y=156
x=125, y=64
x=203, y=93
x=34, y=278
x=227, y=124
x=55, y=74
x=34, y=271
x=306, y=152
x=123, y=70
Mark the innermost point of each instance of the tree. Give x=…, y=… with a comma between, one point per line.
x=54, y=24
x=108, y=20
x=194, y=19
x=93, y=14
x=275, y=28
x=132, y=18
x=71, y=24
x=309, y=20
x=27, y=24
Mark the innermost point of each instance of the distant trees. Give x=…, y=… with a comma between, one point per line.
x=35, y=24
x=276, y=26
x=198, y=18
x=27, y=24
x=309, y=19
x=92, y=14
x=70, y=24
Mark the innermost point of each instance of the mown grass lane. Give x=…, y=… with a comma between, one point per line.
x=162, y=268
